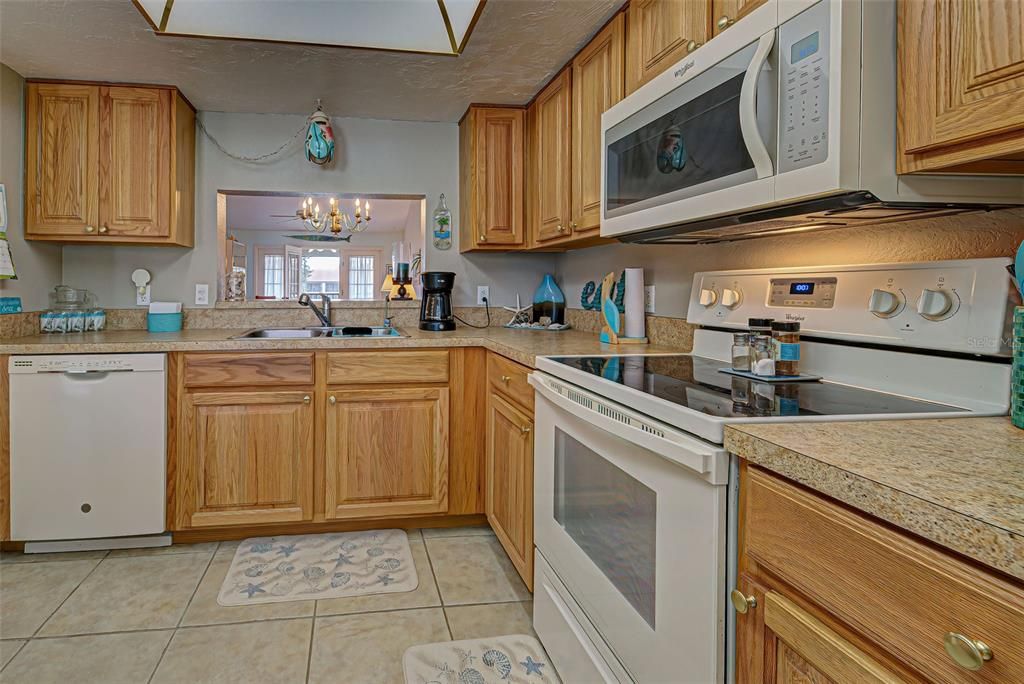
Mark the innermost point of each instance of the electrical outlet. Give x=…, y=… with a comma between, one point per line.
x=142, y=297
x=648, y=299
x=202, y=294
x=483, y=292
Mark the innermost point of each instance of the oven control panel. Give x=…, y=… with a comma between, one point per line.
x=960, y=306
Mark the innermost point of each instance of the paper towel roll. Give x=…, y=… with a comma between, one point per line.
x=634, y=303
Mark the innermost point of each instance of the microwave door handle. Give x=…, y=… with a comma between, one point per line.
x=748, y=108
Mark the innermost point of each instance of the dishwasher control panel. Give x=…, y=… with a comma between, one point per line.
x=82, y=363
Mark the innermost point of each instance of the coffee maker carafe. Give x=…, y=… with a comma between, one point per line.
x=436, y=305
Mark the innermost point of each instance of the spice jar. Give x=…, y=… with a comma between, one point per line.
x=741, y=352
x=760, y=326
x=786, y=348
x=762, y=360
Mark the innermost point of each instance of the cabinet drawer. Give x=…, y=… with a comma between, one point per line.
x=233, y=370
x=901, y=594
x=509, y=378
x=385, y=367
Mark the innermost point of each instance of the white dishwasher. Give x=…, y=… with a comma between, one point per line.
x=88, y=443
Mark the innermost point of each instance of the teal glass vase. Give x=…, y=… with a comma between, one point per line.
x=549, y=301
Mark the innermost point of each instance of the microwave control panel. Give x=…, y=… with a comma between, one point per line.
x=804, y=63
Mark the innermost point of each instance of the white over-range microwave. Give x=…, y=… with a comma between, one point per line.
x=785, y=122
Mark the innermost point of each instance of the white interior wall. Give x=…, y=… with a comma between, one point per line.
x=373, y=156
x=36, y=263
x=670, y=268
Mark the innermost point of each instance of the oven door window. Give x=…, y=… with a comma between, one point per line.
x=612, y=517
x=686, y=143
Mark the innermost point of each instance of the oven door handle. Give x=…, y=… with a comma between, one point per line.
x=675, y=446
x=748, y=108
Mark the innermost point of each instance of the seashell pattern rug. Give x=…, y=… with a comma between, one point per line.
x=512, y=659
x=319, y=566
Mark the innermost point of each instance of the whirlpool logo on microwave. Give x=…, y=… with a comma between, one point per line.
x=678, y=73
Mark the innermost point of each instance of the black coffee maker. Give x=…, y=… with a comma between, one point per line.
x=436, y=304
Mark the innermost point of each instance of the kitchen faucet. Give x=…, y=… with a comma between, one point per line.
x=325, y=314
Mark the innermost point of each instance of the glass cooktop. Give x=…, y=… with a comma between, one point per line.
x=696, y=383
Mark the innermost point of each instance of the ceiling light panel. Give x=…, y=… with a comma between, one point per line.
x=432, y=26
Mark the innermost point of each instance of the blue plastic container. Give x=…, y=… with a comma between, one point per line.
x=163, y=322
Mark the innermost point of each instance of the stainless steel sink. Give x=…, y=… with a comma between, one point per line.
x=306, y=333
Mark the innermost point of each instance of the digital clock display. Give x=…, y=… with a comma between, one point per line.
x=801, y=288
x=803, y=48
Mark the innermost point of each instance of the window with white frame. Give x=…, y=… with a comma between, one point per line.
x=341, y=273
x=270, y=271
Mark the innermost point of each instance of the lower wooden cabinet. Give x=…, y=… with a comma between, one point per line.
x=387, y=452
x=829, y=595
x=247, y=458
x=509, y=478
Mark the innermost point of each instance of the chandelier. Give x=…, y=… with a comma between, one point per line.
x=334, y=219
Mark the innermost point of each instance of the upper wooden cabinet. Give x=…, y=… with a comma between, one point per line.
x=598, y=82
x=387, y=452
x=247, y=458
x=109, y=164
x=725, y=13
x=491, y=142
x=961, y=86
x=551, y=161
x=661, y=32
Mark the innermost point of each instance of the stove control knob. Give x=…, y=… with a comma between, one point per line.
x=935, y=304
x=884, y=304
x=708, y=298
x=731, y=298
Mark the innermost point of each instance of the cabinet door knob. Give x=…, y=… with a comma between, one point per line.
x=89, y=229
x=483, y=238
x=506, y=378
x=741, y=602
x=306, y=399
x=692, y=45
x=968, y=653
x=331, y=400
x=103, y=229
x=525, y=429
x=561, y=228
x=725, y=22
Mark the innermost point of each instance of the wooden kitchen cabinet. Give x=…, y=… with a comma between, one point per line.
x=961, y=86
x=108, y=163
x=552, y=158
x=660, y=33
x=246, y=458
x=598, y=82
x=725, y=13
x=833, y=596
x=491, y=157
x=509, y=463
x=386, y=452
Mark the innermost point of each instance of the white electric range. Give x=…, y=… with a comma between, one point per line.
x=635, y=497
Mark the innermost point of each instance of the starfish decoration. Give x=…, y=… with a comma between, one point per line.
x=343, y=559
x=520, y=314
x=532, y=667
x=288, y=550
x=385, y=579
x=251, y=590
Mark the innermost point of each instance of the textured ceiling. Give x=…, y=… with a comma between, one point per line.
x=515, y=47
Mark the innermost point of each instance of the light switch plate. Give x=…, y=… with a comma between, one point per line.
x=142, y=297
x=202, y=294
x=648, y=299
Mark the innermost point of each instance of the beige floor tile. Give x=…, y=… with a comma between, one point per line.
x=206, y=548
x=490, y=620
x=424, y=596
x=130, y=593
x=109, y=658
x=19, y=557
x=8, y=648
x=474, y=570
x=30, y=592
x=204, y=609
x=368, y=648
x=268, y=652
x=443, y=532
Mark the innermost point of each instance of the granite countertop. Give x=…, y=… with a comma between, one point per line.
x=522, y=346
x=957, y=482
